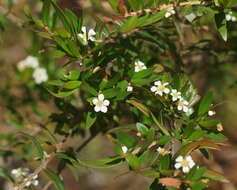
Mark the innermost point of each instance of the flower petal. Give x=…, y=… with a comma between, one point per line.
x=101, y=97
x=179, y=159
x=186, y=169
x=95, y=101
x=106, y=102
x=104, y=109
x=177, y=165
x=97, y=109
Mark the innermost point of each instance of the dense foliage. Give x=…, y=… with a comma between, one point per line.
x=126, y=75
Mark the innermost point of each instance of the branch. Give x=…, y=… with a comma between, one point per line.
x=139, y=12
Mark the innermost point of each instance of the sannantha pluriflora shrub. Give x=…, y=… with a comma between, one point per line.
x=127, y=77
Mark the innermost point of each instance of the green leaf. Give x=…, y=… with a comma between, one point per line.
x=209, y=123
x=133, y=161
x=61, y=94
x=90, y=119
x=126, y=139
x=221, y=24
x=163, y=140
x=205, y=104
x=139, y=106
x=102, y=163
x=62, y=16
x=164, y=162
x=72, y=85
x=142, y=129
x=5, y=174
x=58, y=183
x=36, y=143
x=150, y=173
x=197, y=135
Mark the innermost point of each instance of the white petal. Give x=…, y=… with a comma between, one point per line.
x=165, y=84
x=167, y=91
x=101, y=97
x=157, y=83
x=159, y=92
x=189, y=158
x=91, y=38
x=167, y=15
x=83, y=29
x=185, y=109
x=97, y=108
x=233, y=18
x=191, y=164
x=179, y=108
x=179, y=159
x=173, y=90
x=95, y=101
x=91, y=32
x=35, y=182
x=186, y=169
x=228, y=17
x=177, y=165
x=104, y=109
x=124, y=149
x=106, y=102
x=153, y=88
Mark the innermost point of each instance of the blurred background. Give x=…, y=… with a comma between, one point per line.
x=217, y=73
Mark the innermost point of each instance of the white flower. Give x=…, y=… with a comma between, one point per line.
x=29, y=62
x=100, y=104
x=183, y=105
x=162, y=151
x=190, y=111
x=230, y=17
x=20, y=172
x=40, y=75
x=139, y=66
x=129, y=88
x=87, y=36
x=169, y=12
x=186, y=163
x=211, y=113
x=32, y=181
x=175, y=95
x=160, y=88
x=124, y=149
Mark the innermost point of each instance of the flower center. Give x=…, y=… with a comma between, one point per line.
x=185, y=163
x=160, y=88
x=100, y=103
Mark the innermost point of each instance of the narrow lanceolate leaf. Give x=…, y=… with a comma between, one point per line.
x=188, y=148
x=139, y=106
x=56, y=180
x=37, y=144
x=170, y=182
x=90, y=119
x=205, y=104
x=221, y=25
x=102, y=163
x=216, y=176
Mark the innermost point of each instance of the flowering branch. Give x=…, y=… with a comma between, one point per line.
x=139, y=12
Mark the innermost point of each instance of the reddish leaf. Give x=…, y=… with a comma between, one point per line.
x=188, y=148
x=170, y=182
